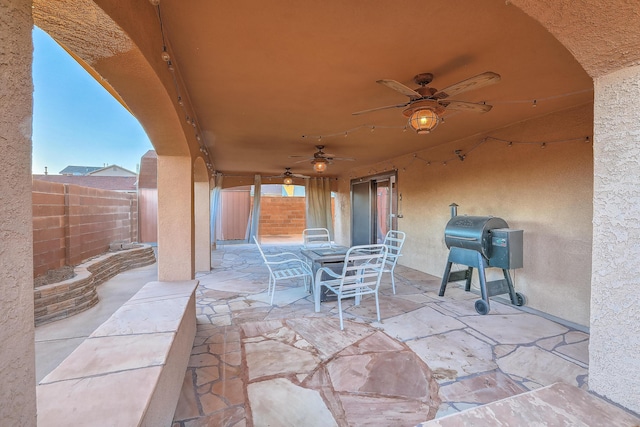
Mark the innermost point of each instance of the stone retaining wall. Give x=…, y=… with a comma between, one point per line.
x=63, y=299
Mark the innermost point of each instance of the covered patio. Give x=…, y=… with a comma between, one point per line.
x=430, y=356
x=234, y=93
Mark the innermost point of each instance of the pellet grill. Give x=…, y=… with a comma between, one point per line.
x=482, y=242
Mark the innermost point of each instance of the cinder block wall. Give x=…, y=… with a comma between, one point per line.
x=48, y=226
x=282, y=215
x=72, y=224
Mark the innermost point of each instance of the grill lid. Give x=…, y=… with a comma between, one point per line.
x=472, y=232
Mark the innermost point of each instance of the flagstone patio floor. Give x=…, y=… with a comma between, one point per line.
x=254, y=364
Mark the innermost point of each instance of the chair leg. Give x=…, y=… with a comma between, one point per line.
x=273, y=293
x=393, y=282
x=340, y=313
x=377, y=306
x=317, y=288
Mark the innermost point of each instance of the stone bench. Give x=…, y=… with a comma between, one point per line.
x=63, y=299
x=129, y=371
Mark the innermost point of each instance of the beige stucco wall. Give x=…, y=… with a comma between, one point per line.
x=614, y=360
x=17, y=364
x=545, y=192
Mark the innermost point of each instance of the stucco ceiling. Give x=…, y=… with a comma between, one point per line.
x=270, y=80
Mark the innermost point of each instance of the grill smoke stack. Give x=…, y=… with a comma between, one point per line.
x=454, y=210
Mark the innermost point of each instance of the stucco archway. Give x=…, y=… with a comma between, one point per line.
x=606, y=42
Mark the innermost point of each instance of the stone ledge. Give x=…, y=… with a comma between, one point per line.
x=64, y=299
x=129, y=371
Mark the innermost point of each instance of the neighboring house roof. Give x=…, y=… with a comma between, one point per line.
x=113, y=183
x=79, y=170
x=112, y=170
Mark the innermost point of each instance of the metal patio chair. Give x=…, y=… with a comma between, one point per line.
x=361, y=274
x=316, y=238
x=394, y=240
x=282, y=266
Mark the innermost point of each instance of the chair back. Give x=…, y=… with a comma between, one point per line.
x=363, y=266
x=315, y=238
x=394, y=240
x=264, y=258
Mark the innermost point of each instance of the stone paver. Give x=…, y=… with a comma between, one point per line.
x=254, y=364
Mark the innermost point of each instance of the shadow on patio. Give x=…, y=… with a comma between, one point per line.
x=256, y=364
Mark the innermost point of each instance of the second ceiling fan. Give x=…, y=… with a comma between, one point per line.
x=320, y=159
x=426, y=104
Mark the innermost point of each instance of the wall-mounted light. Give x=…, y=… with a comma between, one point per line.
x=424, y=120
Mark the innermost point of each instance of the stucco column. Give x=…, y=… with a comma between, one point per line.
x=175, y=218
x=17, y=354
x=614, y=361
x=203, y=233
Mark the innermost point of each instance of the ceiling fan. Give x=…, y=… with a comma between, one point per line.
x=288, y=176
x=320, y=159
x=426, y=104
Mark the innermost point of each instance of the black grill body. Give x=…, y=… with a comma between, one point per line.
x=472, y=232
x=481, y=242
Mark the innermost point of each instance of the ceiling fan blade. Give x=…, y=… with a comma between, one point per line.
x=380, y=108
x=297, y=175
x=303, y=160
x=475, y=82
x=465, y=106
x=344, y=159
x=399, y=87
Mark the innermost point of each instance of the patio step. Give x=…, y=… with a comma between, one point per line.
x=129, y=371
x=556, y=405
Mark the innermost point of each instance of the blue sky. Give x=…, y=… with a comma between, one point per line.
x=75, y=120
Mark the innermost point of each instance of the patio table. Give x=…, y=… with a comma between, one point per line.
x=324, y=257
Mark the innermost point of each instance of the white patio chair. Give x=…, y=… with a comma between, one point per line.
x=394, y=240
x=316, y=238
x=361, y=273
x=282, y=266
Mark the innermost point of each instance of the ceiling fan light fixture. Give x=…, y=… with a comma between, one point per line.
x=424, y=120
x=319, y=165
x=287, y=180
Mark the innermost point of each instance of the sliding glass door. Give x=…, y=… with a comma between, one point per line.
x=374, y=208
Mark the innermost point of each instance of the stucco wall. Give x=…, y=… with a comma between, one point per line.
x=614, y=360
x=547, y=192
x=17, y=364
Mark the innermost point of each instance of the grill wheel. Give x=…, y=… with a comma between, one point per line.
x=482, y=307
